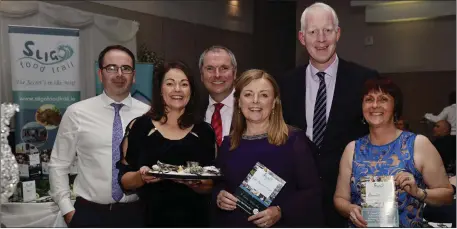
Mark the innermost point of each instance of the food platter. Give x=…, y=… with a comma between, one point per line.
x=183, y=176
x=190, y=172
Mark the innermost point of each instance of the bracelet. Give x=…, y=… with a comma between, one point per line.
x=425, y=195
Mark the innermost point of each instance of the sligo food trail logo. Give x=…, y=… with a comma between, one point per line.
x=57, y=60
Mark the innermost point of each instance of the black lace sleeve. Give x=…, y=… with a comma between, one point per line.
x=132, y=135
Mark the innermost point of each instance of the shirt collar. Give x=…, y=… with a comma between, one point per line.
x=330, y=71
x=228, y=101
x=107, y=100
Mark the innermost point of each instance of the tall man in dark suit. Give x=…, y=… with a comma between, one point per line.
x=324, y=98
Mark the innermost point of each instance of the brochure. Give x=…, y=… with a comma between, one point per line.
x=379, y=202
x=258, y=190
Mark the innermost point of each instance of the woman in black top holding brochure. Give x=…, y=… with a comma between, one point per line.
x=171, y=133
x=387, y=154
x=260, y=135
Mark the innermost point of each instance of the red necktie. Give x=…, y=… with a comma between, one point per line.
x=216, y=122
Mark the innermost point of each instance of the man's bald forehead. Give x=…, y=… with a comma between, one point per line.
x=445, y=124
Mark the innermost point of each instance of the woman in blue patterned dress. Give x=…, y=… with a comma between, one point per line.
x=411, y=159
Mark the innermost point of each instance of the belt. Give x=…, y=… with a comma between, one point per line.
x=107, y=207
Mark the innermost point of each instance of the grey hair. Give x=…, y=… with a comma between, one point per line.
x=217, y=48
x=322, y=6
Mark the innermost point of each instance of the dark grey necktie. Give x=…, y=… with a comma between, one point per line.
x=320, y=112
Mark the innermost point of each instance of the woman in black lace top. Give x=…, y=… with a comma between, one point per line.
x=172, y=133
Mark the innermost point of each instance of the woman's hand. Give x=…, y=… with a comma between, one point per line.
x=226, y=201
x=267, y=217
x=356, y=217
x=407, y=183
x=146, y=177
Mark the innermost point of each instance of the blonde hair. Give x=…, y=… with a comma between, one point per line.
x=277, y=130
x=321, y=6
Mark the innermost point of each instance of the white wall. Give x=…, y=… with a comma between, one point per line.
x=213, y=13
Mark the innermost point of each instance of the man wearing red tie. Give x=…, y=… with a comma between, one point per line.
x=218, y=67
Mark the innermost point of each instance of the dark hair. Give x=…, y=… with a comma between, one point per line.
x=157, y=112
x=114, y=47
x=385, y=85
x=451, y=98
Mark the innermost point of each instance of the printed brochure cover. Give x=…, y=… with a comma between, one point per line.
x=258, y=189
x=379, y=202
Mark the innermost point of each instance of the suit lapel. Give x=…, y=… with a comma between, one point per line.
x=204, y=106
x=301, y=107
x=341, y=87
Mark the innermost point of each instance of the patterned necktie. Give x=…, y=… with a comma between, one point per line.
x=216, y=122
x=116, y=191
x=320, y=112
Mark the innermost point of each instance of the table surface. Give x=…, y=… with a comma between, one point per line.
x=45, y=214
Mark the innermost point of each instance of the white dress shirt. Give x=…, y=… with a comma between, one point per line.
x=226, y=113
x=86, y=130
x=447, y=114
x=312, y=86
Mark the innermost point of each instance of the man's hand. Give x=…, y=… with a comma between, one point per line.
x=68, y=217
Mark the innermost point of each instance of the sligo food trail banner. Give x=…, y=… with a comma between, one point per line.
x=45, y=81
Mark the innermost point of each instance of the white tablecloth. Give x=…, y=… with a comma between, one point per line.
x=32, y=215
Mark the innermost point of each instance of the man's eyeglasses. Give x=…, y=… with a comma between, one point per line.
x=222, y=69
x=125, y=69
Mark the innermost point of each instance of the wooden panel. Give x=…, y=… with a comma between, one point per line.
x=179, y=41
x=151, y=33
x=423, y=92
x=239, y=43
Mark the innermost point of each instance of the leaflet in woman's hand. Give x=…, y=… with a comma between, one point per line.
x=258, y=189
x=379, y=202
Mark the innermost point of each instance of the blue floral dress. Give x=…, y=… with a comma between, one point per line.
x=388, y=160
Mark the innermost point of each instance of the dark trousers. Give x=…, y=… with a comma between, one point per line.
x=90, y=214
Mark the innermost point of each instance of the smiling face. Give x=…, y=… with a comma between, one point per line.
x=319, y=36
x=116, y=84
x=378, y=108
x=257, y=101
x=217, y=74
x=175, y=90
